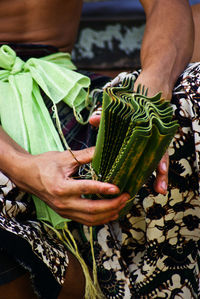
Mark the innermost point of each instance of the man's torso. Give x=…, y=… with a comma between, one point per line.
x=52, y=22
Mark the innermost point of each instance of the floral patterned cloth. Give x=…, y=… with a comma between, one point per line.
x=154, y=251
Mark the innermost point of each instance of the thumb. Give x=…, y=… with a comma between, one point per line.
x=96, y=117
x=95, y=120
x=84, y=156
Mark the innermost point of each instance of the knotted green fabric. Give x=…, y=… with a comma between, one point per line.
x=134, y=133
x=23, y=114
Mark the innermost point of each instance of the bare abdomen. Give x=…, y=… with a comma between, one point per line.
x=53, y=22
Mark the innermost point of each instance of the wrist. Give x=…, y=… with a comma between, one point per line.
x=12, y=155
x=13, y=162
x=155, y=82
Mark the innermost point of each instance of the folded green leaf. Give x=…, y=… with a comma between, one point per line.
x=134, y=133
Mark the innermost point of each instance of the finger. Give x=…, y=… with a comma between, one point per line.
x=95, y=120
x=163, y=164
x=84, y=156
x=98, y=206
x=77, y=187
x=161, y=182
x=93, y=220
x=81, y=218
x=91, y=215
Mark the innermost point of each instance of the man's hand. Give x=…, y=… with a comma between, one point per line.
x=49, y=177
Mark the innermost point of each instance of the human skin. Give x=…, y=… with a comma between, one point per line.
x=51, y=22
x=196, y=18
x=166, y=49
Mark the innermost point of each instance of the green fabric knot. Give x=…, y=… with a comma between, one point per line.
x=54, y=74
x=18, y=66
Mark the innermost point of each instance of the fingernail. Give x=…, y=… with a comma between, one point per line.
x=164, y=166
x=164, y=185
x=112, y=190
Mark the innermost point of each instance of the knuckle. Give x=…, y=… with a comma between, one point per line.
x=84, y=188
x=57, y=190
x=91, y=210
x=58, y=205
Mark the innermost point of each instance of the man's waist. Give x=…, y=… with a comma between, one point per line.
x=25, y=51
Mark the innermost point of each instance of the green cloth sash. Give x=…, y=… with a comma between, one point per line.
x=135, y=131
x=23, y=114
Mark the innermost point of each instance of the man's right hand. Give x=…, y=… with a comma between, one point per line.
x=49, y=177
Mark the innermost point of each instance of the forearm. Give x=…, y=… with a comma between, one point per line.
x=168, y=40
x=12, y=156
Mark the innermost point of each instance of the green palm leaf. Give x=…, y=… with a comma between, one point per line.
x=134, y=133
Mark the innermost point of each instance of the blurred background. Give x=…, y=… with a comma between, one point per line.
x=110, y=36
